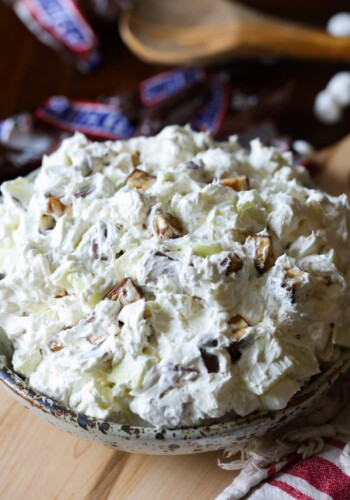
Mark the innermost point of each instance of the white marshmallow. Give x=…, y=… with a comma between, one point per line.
x=339, y=88
x=339, y=24
x=303, y=148
x=326, y=109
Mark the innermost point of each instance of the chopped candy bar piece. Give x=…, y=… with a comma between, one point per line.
x=56, y=207
x=211, y=361
x=140, y=180
x=293, y=279
x=239, y=330
x=167, y=226
x=231, y=264
x=239, y=183
x=125, y=292
x=56, y=344
x=46, y=222
x=263, y=251
x=239, y=326
x=136, y=158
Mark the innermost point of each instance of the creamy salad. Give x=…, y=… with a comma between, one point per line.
x=174, y=279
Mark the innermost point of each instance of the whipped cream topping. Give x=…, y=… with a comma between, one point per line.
x=172, y=280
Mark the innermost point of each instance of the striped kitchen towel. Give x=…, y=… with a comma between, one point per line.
x=307, y=460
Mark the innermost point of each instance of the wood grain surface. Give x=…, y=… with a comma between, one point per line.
x=38, y=461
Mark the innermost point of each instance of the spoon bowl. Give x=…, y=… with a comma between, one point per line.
x=207, y=31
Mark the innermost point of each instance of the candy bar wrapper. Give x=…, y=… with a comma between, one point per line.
x=161, y=87
x=186, y=95
x=157, y=97
x=179, y=96
x=246, y=109
x=95, y=119
x=212, y=113
x=23, y=143
x=179, y=108
x=61, y=25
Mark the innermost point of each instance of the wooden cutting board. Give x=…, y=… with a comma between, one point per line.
x=40, y=462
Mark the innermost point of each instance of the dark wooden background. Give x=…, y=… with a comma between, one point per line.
x=30, y=71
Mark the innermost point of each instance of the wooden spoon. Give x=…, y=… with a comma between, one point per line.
x=205, y=31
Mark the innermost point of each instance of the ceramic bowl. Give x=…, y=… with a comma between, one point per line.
x=182, y=441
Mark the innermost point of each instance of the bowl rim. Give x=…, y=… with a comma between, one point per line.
x=320, y=384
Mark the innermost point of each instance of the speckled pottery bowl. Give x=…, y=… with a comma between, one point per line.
x=152, y=441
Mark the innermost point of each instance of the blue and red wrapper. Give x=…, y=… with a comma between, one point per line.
x=178, y=96
x=61, y=25
x=208, y=102
x=160, y=87
x=95, y=119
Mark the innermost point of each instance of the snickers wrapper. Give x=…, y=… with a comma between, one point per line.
x=61, y=25
x=95, y=119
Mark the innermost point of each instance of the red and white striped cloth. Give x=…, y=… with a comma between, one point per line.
x=320, y=477
x=308, y=460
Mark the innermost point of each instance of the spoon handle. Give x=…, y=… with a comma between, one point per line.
x=292, y=40
x=239, y=35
